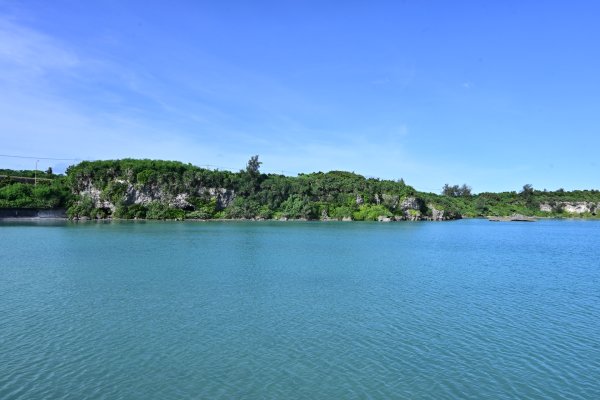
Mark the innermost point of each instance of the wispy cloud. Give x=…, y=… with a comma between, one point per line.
x=57, y=100
x=31, y=51
x=42, y=113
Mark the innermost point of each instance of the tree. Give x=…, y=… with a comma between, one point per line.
x=527, y=190
x=250, y=178
x=448, y=190
x=253, y=166
x=465, y=191
x=527, y=194
x=481, y=205
x=456, y=191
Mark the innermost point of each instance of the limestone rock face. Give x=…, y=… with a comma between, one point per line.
x=144, y=195
x=410, y=203
x=571, y=207
x=180, y=201
x=437, y=215
x=224, y=196
x=441, y=215
x=96, y=196
x=580, y=207
x=411, y=208
x=391, y=201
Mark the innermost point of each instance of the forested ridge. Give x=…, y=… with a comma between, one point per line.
x=156, y=189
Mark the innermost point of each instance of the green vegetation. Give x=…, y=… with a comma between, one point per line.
x=154, y=189
x=16, y=174
x=528, y=201
x=20, y=189
x=456, y=191
x=173, y=190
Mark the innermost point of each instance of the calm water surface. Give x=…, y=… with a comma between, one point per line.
x=140, y=310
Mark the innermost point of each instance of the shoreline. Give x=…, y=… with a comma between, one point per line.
x=59, y=214
x=194, y=220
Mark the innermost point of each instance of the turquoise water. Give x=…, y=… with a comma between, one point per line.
x=141, y=310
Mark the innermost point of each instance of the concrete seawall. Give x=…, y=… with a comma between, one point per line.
x=12, y=213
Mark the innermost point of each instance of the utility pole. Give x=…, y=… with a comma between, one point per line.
x=35, y=173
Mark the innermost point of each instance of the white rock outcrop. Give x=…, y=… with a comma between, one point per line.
x=144, y=195
x=571, y=207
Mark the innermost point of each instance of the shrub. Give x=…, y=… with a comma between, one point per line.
x=198, y=214
x=370, y=212
x=82, y=208
x=341, y=212
x=157, y=210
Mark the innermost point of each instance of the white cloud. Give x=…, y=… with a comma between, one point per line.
x=32, y=51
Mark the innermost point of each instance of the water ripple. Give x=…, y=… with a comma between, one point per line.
x=422, y=311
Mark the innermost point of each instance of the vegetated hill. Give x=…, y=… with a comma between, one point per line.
x=155, y=189
x=528, y=202
x=169, y=189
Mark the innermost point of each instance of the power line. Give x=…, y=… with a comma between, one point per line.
x=41, y=158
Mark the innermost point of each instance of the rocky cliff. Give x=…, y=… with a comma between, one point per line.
x=128, y=193
x=571, y=207
x=172, y=190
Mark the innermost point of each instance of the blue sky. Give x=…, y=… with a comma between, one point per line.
x=492, y=94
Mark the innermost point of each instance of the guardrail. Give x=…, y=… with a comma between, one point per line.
x=25, y=179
